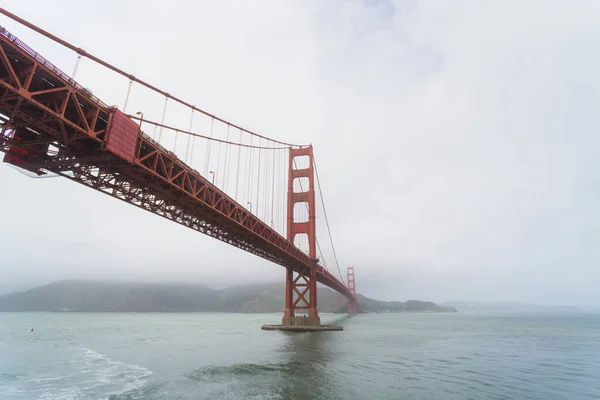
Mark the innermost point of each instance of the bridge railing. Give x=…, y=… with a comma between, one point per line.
x=49, y=65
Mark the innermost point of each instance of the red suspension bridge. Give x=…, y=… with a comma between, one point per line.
x=253, y=192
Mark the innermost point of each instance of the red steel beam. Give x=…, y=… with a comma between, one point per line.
x=131, y=77
x=51, y=123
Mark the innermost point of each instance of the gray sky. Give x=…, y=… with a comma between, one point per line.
x=457, y=141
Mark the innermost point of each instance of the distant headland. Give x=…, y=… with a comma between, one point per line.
x=91, y=296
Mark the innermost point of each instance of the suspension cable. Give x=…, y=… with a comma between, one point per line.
x=322, y=256
x=308, y=216
x=327, y=220
x=209, y=138
x=131, y=77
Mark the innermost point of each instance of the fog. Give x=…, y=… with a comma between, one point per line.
x=456, y=141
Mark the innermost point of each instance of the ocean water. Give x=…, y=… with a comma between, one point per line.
x=226, y=356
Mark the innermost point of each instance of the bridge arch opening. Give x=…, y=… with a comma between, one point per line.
x=301, y=184
x=301, y=212
x=301, y=242
x=301, y=162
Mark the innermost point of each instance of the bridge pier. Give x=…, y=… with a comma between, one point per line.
x=301, y=290
x=352, y=304
x=301, y=294
x=301, y=321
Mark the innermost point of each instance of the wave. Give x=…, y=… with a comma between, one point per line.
x=104, y=370
x=90, y=375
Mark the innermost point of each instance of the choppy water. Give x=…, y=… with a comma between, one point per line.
x=227, y=356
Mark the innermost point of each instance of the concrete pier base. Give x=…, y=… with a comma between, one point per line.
x=301, y=321
x=301, y=324
x=318, y=328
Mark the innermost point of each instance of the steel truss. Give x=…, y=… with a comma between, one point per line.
x=51, y=123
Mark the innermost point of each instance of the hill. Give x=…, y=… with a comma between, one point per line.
x=505, y=307
x=371, y=305
x=89, y=296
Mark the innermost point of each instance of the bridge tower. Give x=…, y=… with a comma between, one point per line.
x=352, y=304
x=301, y=287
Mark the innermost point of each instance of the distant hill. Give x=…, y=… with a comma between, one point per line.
x=505, y=307
x=371, y=305
x=89, y=296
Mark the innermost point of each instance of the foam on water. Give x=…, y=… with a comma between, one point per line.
x=92, y=376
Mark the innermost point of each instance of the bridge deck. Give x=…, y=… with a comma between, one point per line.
x=51, y=123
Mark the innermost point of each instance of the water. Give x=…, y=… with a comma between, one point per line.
x=227, y=356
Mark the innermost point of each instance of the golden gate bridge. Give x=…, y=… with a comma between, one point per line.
x=252, y=192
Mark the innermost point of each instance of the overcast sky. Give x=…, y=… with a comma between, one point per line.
x=457, y=141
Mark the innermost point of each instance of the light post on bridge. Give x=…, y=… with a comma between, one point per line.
x=213, y=176
x=250, y=204
x=77, y=67
x=141, y=114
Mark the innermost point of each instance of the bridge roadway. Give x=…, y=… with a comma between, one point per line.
x=51, y=123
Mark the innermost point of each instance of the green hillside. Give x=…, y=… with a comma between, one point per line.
x=87, y=296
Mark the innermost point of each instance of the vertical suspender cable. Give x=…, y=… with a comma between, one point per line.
x=218, y=163
x=190, y=137
x=207, y=159
x=237, y=175
x=226, y=165
x=265, y=185
x=229, y=159
x=283, y=164
x=162, y=122
x=258, y=175
x=273, y=190
x=282, y=192
x=269, y=187
x=246, y=170
x=285, y=178
x=128, y=87
x=250, y=176
x=277, y=191
x=75, y=73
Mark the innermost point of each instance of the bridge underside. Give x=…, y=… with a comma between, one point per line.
x=51, y=124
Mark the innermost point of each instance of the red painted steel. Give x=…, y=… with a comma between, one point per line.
x=51, y=123
x=21, y=156
x=304, y=283
x=131, y=77
x=352, y=303
x=122, y=136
